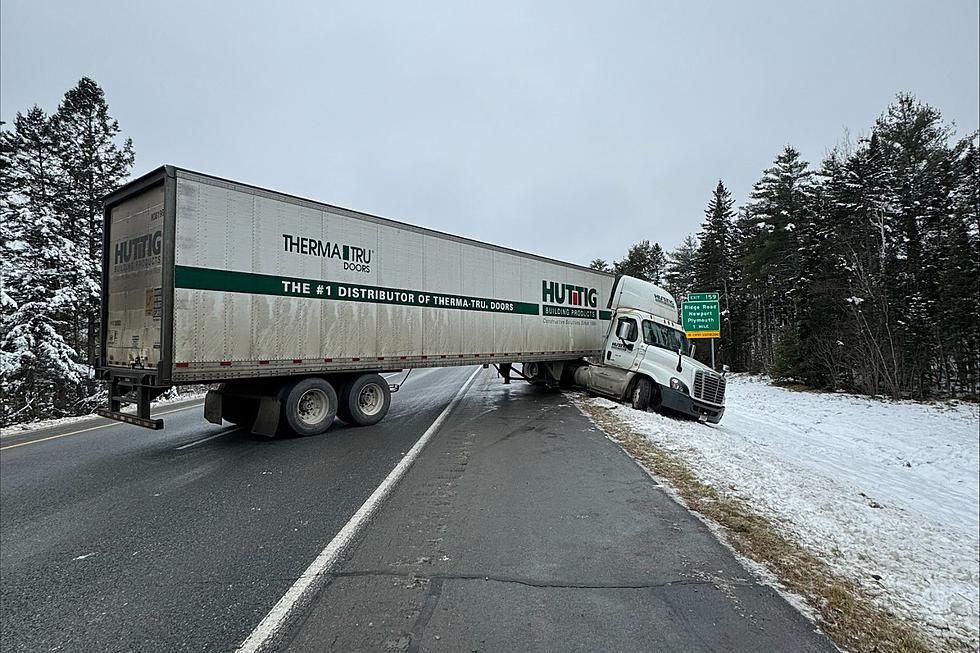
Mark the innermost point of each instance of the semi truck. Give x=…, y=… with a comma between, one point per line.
x=292, y=309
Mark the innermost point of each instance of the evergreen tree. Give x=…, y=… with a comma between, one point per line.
x=769, y=251
x=960, y=289
x=715, y=266
x=9, y=246
x=918, y=169
x=39, y=370
x=93, y=164
x=658, y=263
x=680, y=275
x=600, y=265
x=644, y=261
x=34, y=169
x=863, y=277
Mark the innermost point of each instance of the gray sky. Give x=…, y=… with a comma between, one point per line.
x=568, y=129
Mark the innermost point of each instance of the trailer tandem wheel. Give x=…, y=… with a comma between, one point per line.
x=309, y=406
x=364, y=400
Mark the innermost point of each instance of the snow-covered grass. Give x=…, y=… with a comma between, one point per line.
x=886, y=493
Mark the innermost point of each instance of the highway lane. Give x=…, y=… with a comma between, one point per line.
x=523, y=528
x=17, y=437
x=120, y=538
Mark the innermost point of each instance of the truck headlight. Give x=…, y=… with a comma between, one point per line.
x=677, y=384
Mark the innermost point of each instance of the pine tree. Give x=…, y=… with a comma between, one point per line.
x=658, y=263
x=600, y=265
x=680, y=275
x=960, y=289
x=780, y=202
x=93, y=164
x=644, y=261
x=918, y=162
x=39, y=371
x=40, y=367
x=863, y=278
x=9, y=246
x=715, y=265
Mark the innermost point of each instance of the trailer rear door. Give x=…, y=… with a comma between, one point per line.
x=134, y=281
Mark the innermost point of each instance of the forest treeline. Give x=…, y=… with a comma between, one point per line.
x=54, y=171
x=862, y=273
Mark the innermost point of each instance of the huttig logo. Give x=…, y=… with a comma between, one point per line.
x=137, y=253
x=565, y=293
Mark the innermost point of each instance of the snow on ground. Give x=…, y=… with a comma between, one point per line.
x=878, y=489
x=168, y=398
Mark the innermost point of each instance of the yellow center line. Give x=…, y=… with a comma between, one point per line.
x=91, y=428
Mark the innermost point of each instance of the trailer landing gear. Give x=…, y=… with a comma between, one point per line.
x=549, y=373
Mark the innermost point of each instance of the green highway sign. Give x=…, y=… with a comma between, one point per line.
x=702, y=297
x=701, y=315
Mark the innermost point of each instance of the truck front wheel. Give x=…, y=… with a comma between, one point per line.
x=640, y=397
x=365, y=400
x=310, y=406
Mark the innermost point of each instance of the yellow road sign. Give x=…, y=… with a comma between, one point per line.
x=704, y=334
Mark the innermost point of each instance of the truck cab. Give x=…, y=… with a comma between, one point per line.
x=647, y=359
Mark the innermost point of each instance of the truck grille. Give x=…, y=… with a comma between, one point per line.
x=709, y=387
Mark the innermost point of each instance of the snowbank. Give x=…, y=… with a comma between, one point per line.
x=886, y=492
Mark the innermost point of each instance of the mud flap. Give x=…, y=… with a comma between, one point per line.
x=212, y=407
x=267, y=420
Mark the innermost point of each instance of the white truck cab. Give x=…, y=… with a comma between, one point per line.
x=647, y=359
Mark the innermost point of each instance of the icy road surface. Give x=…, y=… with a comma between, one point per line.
x=876, y=488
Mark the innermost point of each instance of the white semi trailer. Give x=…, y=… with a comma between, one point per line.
x=295, y=308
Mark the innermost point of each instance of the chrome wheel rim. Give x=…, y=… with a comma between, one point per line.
x=371, y=399
x=313, y=407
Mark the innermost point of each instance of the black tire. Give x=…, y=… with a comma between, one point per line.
x=309, y=406
x=239, y=410
x=656, y=399
x=640, y=395
x=531, y=371
x=365, y=400
x=567, y=379
x=342, y=387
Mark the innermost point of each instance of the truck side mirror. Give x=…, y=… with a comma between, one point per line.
x=725, y=370
x=623, y=330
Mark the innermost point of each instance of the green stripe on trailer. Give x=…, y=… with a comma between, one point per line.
x=194, y=278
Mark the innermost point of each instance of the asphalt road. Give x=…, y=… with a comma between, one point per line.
x=118, y=539
x=520, y=527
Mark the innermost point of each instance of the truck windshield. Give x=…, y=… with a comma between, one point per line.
x=665, y=337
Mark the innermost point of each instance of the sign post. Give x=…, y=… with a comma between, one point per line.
x=701, y=318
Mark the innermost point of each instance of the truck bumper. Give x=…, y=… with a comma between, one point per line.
x=684, y=403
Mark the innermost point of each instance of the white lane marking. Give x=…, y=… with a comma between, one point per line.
x=91, y=428
x=307, y=582
x=202, y=441
x=82, y=557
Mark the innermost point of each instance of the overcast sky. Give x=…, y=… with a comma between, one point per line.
x=568, y=129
